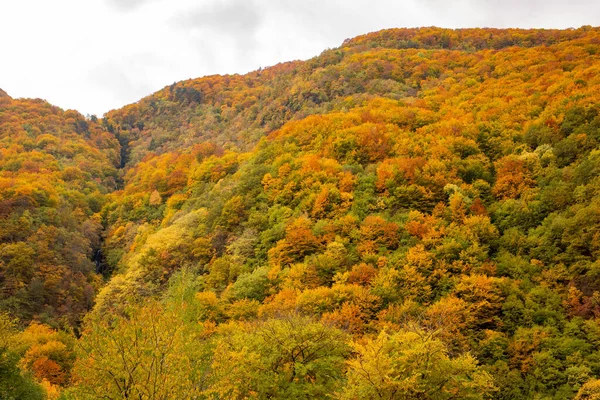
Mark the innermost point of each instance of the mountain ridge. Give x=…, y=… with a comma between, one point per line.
x=293, y=93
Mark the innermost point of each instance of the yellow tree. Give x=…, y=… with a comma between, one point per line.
x=412, y=365
x=148, y=354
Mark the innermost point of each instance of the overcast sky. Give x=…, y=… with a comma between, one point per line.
x=96, y=55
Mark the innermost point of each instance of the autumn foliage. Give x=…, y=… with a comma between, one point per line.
x=412, y=215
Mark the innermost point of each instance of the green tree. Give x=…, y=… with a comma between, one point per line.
x=289, y=358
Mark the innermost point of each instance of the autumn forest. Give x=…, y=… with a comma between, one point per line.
x=412, y=215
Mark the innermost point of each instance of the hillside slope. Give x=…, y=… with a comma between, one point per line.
x=235, y=111
x=55, y=171
x=415, y=214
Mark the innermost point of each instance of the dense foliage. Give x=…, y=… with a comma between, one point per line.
x=56, y=168
x=413, y=215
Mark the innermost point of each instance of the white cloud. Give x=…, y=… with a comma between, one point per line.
x=96, y=55
x=128, y=5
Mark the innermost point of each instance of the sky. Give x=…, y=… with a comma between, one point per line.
x=98, y=55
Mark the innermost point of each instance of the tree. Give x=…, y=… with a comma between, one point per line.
x=13, y=383
x=149, y=353
x=413, y=365
x=299, y=242
x=288, y=358
x=48, y=354
x=589, y=391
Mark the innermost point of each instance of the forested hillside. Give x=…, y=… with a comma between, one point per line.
x=412, y=215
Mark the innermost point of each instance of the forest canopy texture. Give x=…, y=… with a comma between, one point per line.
x=412, y=215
